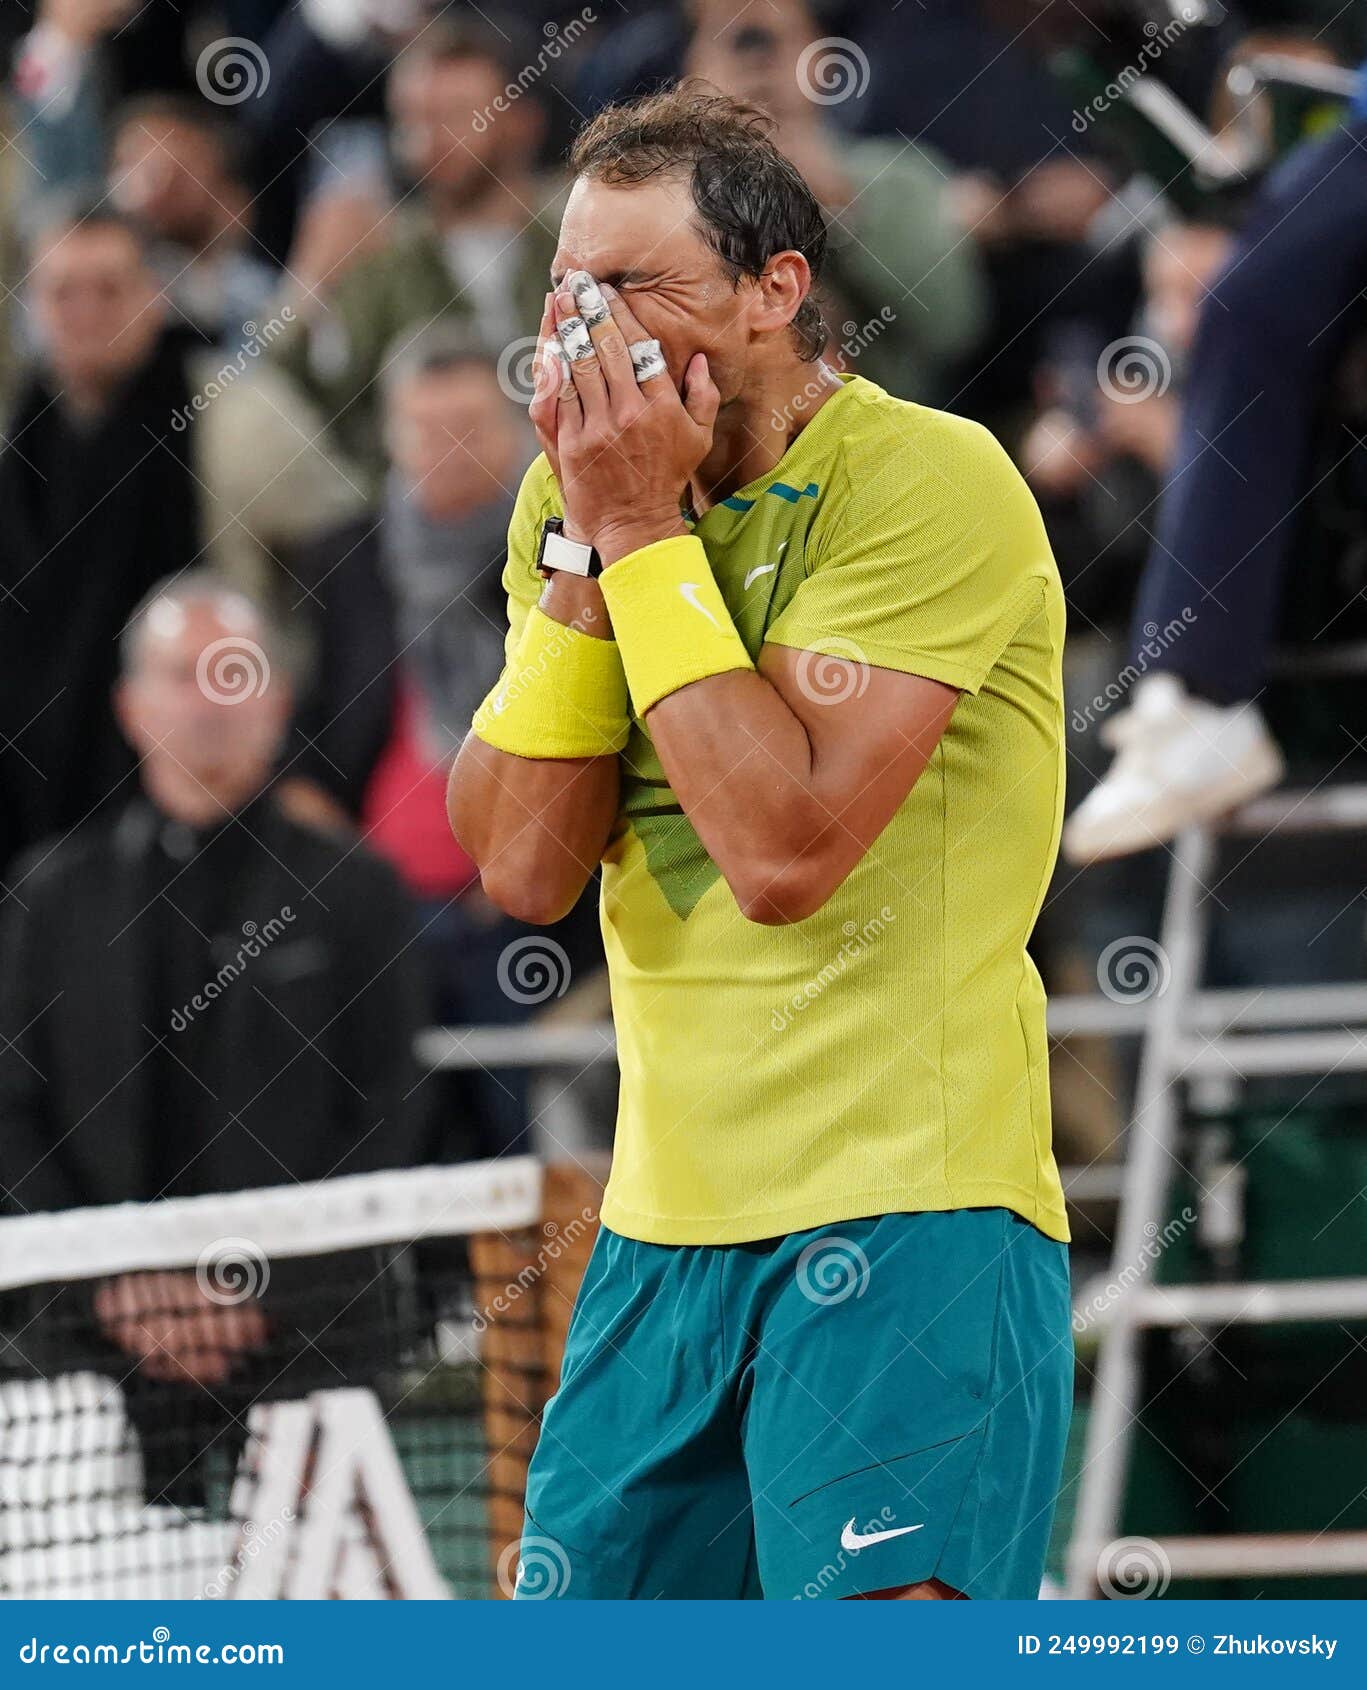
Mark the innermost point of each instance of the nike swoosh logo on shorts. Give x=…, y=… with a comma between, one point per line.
x=851, y=1539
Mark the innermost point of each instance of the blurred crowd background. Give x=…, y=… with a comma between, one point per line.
x=271, y=279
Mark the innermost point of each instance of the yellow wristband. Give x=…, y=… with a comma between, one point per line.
x=563, y=694
x=671, y=622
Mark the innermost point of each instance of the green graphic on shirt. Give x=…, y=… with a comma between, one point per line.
x=676, y=859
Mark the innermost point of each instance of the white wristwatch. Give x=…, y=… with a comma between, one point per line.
x=558, y=553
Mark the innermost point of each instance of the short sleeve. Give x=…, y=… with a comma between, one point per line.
x=928, y=560
x=537, y=498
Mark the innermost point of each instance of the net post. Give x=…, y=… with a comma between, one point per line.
x=525, y=1285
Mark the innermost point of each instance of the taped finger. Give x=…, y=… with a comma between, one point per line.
x=647, y=360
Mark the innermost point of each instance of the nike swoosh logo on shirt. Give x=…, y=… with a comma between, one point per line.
x=690, y=591
x=764, y=568
x=851, y=1539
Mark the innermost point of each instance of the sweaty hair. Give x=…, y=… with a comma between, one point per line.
x=751, y=202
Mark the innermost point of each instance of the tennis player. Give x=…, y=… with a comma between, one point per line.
x=783, y=656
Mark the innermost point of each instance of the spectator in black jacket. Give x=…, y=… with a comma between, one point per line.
x=202, y=995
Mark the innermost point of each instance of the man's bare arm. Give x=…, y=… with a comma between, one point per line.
x=790, y=772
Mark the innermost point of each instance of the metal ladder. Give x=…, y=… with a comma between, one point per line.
x=1192, y=1034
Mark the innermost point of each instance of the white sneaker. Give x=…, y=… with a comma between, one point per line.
x=1180, y=761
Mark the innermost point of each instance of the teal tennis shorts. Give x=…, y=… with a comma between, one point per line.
x=828, y=1414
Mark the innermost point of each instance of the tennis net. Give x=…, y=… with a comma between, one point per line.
x=327, y=1390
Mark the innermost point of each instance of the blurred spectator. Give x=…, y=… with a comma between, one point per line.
x=1234, y=513
x=174, y=171
x=1100, y=447
x=459, y=446
x=128, y=457
x=81, y=57
x=202, y=996
x=11, y=257
x=904, y=284
x=474, y=238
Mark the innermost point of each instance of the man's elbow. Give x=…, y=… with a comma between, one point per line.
x=784, y=894
x=536, y=899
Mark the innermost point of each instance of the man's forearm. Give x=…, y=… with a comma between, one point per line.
x=537, y=827
x=774, y=765
x=739, y=760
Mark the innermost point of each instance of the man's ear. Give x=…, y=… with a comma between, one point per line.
x=785, y=283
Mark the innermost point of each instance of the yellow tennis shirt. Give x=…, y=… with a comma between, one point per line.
x=889, y=1052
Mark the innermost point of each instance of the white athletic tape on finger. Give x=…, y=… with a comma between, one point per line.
x=574, y=338
x=593, y=308
x=647, y=360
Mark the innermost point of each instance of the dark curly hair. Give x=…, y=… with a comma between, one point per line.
x=751, y=202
